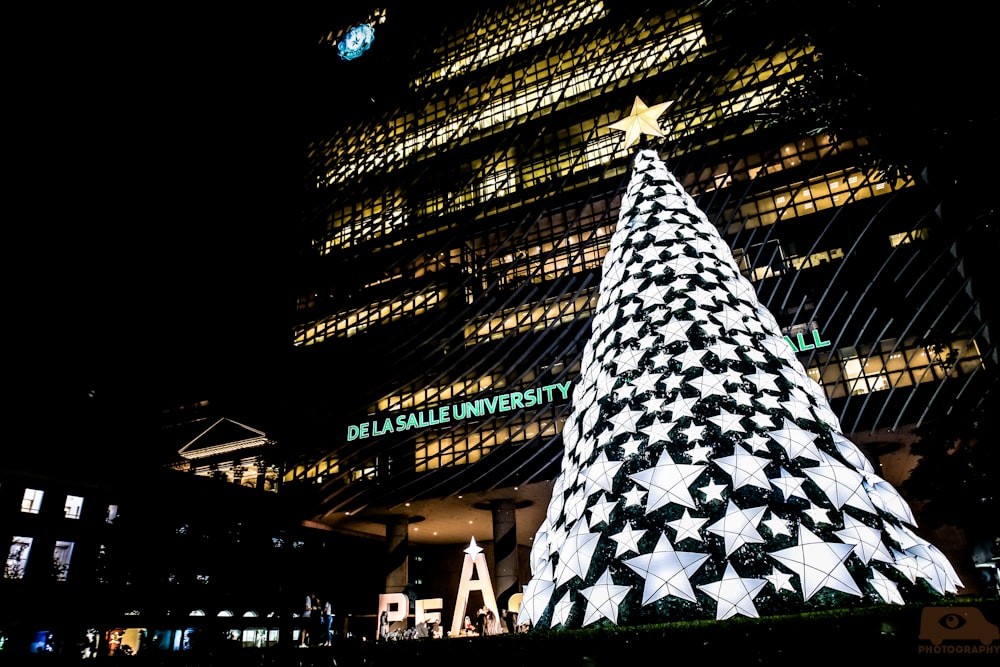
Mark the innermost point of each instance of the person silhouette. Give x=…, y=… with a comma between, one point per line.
x=481, y=621
x=325, y=610
x=383, y=625
x=309, y=616
x=490, y=624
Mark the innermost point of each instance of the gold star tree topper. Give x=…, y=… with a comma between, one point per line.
x=641, y=121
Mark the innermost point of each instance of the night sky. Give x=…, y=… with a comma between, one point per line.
x=156, y=200
x=159, y=164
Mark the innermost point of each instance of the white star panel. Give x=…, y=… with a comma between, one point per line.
x=668, y=482
x=560, y=613
x=819, y=564
x=734, y=594
x=603, y=599
x=887, y=589
x=666, y=571
x=738, y=527
x=627, y=540
x=745, y=469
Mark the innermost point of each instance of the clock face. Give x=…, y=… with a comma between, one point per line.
x=357, y=40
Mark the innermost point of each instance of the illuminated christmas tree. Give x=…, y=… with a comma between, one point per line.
x=704, y=473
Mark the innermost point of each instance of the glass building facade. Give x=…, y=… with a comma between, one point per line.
x=453, y=235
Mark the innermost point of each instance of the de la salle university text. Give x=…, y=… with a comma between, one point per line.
x=514, y=400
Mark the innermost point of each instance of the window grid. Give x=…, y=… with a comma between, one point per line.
x=245, y=472
x=921, y=234
x=467, y=444
x=367, y=471
x=348, y=228
x=586, y=154
x=541, y=260
x=532, y=317
x=779, y=64
x=350, y=323
x=530, y=173
x=817, y=194
x=524, y=26
x=588, y=70
x=799, y=262
x=429, y=396
x=887, y=365
x=769, y=260
x=314, y=471
x=583, y=77
x=757, y=164
x=497, y=183
x=537, y=260
x=714, y=113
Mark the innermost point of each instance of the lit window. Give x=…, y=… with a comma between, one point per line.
x=895, y=364
x=112, y=513
x=61, y=556
x=17, y=558
x=921, y=234
x=74, y=507
x=32, y=501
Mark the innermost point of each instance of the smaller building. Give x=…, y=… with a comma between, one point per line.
x=233, y=452
x=98, y=562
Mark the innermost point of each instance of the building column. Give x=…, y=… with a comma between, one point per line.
x=505, y=558
x=396, y=548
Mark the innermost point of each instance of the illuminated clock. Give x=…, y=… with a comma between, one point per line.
x=356, y=41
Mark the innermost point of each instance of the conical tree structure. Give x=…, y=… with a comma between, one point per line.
x=704, y=473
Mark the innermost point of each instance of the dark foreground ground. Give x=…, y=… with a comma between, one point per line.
x=964, y=633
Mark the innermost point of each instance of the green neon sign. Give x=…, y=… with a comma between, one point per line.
x=515, y=400
x=803, y=345
x=444, y=414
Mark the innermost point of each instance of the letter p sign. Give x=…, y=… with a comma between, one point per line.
x=396, y=606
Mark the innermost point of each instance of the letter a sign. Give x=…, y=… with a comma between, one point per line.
x=474, y=558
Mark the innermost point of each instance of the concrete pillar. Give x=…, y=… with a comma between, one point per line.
x=506, y=577
x=396, y=561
